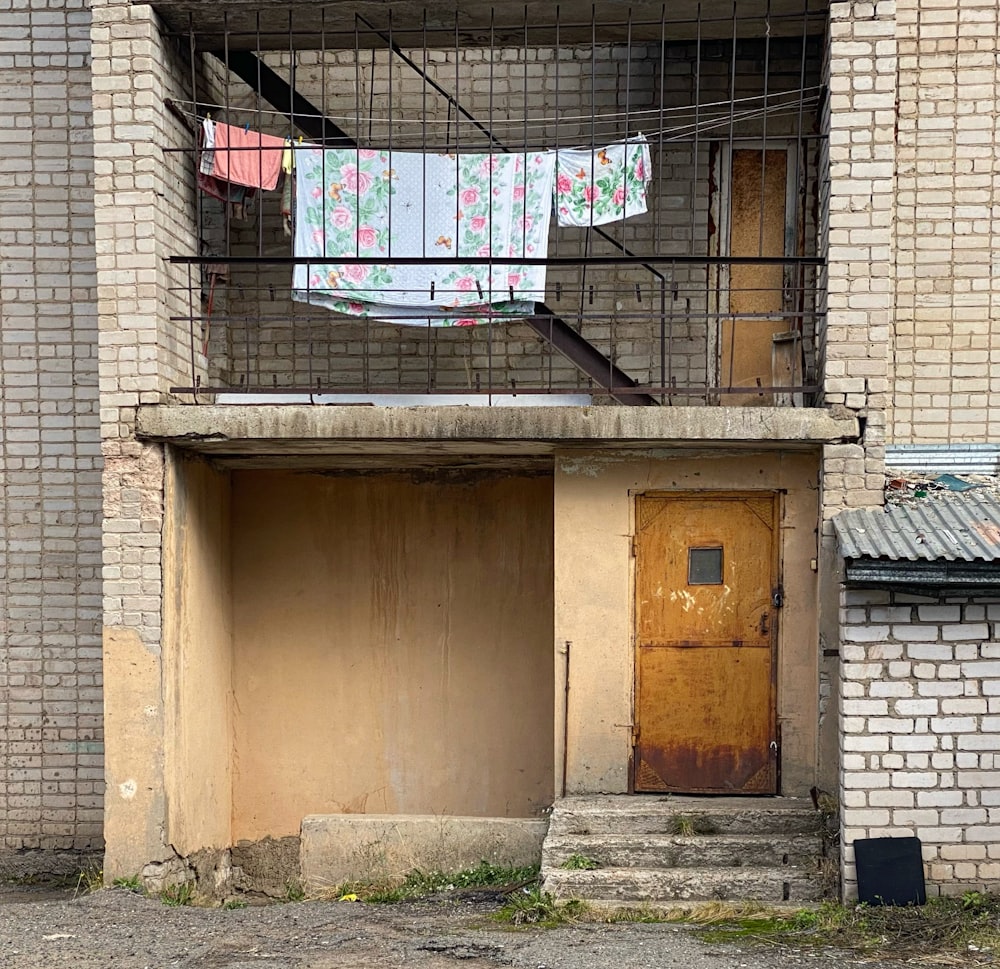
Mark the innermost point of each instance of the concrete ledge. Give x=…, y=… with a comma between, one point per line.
x=304, y=429
x=345, y=847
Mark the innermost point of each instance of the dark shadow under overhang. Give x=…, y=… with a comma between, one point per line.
x=361, y=23
x=933, y=577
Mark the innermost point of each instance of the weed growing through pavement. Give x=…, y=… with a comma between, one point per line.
x=419, y=884
x=132, y=884
x=535, y=907
x=89, y=880
x=177, y=895
x=943, y=929
x=294, y=892
x=578, y=862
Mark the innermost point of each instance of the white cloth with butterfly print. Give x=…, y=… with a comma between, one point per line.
x=354, y=202
x=597, y=187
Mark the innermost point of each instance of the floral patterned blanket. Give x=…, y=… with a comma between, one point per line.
x=607, y=185
x=382, y=204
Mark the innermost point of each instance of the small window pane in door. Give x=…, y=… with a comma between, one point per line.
x=705, y=566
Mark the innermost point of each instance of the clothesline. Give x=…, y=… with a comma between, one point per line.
x=660, y=137
x=772, y=103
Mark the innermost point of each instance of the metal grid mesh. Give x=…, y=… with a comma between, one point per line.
x=666, y=307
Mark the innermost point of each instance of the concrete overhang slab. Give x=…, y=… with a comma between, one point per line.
x=288, y=430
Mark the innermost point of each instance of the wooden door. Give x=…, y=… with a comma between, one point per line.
x=757, y=227
x=706, y=616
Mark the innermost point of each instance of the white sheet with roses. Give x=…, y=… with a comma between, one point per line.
x=353, y=203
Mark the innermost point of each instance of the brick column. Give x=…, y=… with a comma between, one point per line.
x=50, y=659
x=144, y=211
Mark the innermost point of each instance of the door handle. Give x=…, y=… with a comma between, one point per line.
x=764, y=627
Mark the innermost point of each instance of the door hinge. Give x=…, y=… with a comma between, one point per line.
x=778, y=596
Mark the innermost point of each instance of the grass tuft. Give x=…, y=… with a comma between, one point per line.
x=89, y=880
x=178, y=895
x=535, y=907
x=578, y=862
x=132, y=884
x=943, y=929
x=294, y=892
x=420, y=884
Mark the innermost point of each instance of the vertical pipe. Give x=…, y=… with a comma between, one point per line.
x=763, y=140
x=558, y=130
x=225, y=111
x=697, y=123
x=260, y=128
x=565, y=738
x=423, y=157
x=660, y=214
x=323, y=112
x=524, y=116
x=801, y=182
x=724, y=216
x=489, y=268
x=191, y=340
x=358, y=89
x=198, y=200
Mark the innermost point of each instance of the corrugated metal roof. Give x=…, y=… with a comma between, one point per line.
x=957, y=458
x=951, y=528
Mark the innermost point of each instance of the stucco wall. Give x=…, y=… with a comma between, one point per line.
x=594, y=503
x=393, y=646
x=197, y=655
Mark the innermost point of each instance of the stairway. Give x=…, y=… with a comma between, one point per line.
x=671, y=849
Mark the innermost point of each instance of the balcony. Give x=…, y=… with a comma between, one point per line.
x=714, y=295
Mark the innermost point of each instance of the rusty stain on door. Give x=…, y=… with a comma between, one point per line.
x=707, y=596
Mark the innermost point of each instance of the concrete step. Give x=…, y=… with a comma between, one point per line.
x=680, y=851
x=645, y=815
x=639, y=885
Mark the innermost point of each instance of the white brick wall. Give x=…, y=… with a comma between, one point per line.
x=946, y=336
x=920, y=731
x=51, y=737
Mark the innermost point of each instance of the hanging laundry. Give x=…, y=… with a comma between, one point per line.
x=602, y=186
x=207, y=146
x=239, y=197
x=246, y=157
x=381, y=204
x=287, y=188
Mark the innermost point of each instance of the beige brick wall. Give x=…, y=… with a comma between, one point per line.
x=50, y=659
x=946, y=339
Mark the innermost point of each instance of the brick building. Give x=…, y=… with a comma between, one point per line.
x=431, y=605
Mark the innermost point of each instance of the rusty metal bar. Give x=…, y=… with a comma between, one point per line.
x=615, y=391
x=505, y=261
x=588, y=358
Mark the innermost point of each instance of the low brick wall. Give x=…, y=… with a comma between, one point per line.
x=920, y=732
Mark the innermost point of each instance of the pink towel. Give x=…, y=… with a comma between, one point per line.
x=255, y=160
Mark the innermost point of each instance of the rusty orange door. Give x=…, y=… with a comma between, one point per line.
x=706, y=603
